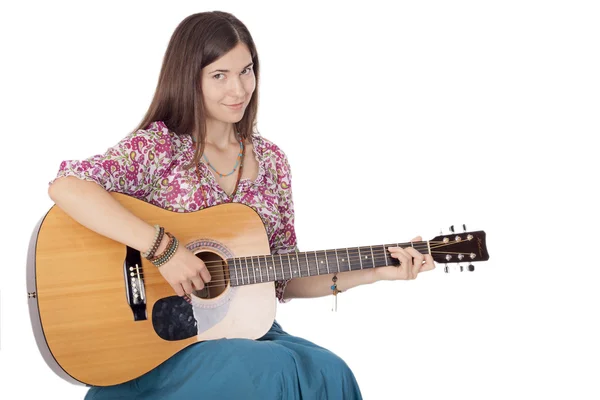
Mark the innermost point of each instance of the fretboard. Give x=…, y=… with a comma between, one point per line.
x=267, y=268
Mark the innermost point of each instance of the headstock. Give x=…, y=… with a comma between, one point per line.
x=465, y=247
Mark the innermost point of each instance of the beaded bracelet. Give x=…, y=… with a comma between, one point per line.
x=160, y=231
x=168, y=253
x=335, y=291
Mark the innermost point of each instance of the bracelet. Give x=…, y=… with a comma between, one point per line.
x=160, y=231
x=169, y=252
x=335, y=291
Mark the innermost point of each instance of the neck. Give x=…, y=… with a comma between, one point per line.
x=220, y=134
x=257, y=269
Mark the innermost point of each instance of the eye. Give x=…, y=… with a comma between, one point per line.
x=217, y=76
x=249, y=69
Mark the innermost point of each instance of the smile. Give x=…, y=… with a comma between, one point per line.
x=235, y=106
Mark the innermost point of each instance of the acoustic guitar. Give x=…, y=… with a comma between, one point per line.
x=103, y=315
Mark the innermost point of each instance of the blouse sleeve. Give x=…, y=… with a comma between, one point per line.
x=131, y=167
x=285, y=236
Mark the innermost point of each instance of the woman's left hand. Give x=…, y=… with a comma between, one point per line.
x=411, y=263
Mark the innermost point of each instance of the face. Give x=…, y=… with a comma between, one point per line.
x=228, y=84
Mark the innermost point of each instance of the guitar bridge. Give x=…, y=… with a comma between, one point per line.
x=134, y=284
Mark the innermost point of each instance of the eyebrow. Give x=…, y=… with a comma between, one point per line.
x=226, y=70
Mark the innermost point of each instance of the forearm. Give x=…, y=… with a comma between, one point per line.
x=93, y=207
x=318, y=286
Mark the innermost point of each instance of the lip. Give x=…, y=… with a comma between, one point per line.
x=235, y=106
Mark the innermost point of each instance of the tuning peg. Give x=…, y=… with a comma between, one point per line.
x=446, y=269
x=461, y=268
x=464, y=228
x=452, y=228
x=471, y=267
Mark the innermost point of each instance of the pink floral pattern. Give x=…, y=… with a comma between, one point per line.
x=148, y=164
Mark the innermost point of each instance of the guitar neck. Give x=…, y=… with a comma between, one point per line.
x=267, y=268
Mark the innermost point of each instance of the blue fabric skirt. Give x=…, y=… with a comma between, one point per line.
x=276, y=366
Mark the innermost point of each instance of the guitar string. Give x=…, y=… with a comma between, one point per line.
x=218, y=265
x=248, y=272
x=354, y=257
x=250, y=275
x=419, y=246
x=355, y=252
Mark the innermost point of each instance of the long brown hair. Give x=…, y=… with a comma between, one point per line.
x=198, y=40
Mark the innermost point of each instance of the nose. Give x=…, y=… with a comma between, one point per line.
x=236, y=88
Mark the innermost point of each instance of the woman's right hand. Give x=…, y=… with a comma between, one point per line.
x=184, y=271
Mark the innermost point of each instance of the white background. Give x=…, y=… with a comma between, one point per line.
x=398, y=120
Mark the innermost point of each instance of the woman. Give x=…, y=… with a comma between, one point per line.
x=196, y=148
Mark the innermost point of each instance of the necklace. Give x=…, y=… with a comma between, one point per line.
x=241, y=162
x=239, y=158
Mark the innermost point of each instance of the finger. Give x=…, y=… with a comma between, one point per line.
x=418, y=260
x=204, y=272
x=178, y=289
x=402, y=255
x=417, y=239
x=429, y=263
x=405, y=261
x=187, y=287
x=197, y=282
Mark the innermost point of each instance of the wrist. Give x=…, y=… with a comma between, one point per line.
x=374, y=275
x=163, y=245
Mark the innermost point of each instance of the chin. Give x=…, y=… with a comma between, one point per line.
x=232, y=118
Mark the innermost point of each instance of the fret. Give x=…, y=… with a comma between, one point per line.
x=340, y=267
x=237, y=281
x=349, y=265
x=337, y=259
x=318, y=263
x=282, y=271
x=372, y=257
x=290, y=264
x=253, y=270
x=259, y=268
x=334, y=263
x=327, y=262
x=271, y=267
x=268, y=268
x=298, y=262
x=307, y=263
x=247, y=270
x=294, y=273
x=242, y=269
x=393, y=260
x=360, y=258
x=385, y=254
x=274, y=266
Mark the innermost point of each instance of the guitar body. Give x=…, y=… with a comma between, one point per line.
x=97, y=326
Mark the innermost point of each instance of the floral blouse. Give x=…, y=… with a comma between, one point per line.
x=148, y=164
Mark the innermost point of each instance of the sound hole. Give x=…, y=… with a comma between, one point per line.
x=219, y=274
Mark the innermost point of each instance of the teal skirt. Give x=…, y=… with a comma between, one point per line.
x=276, y=366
